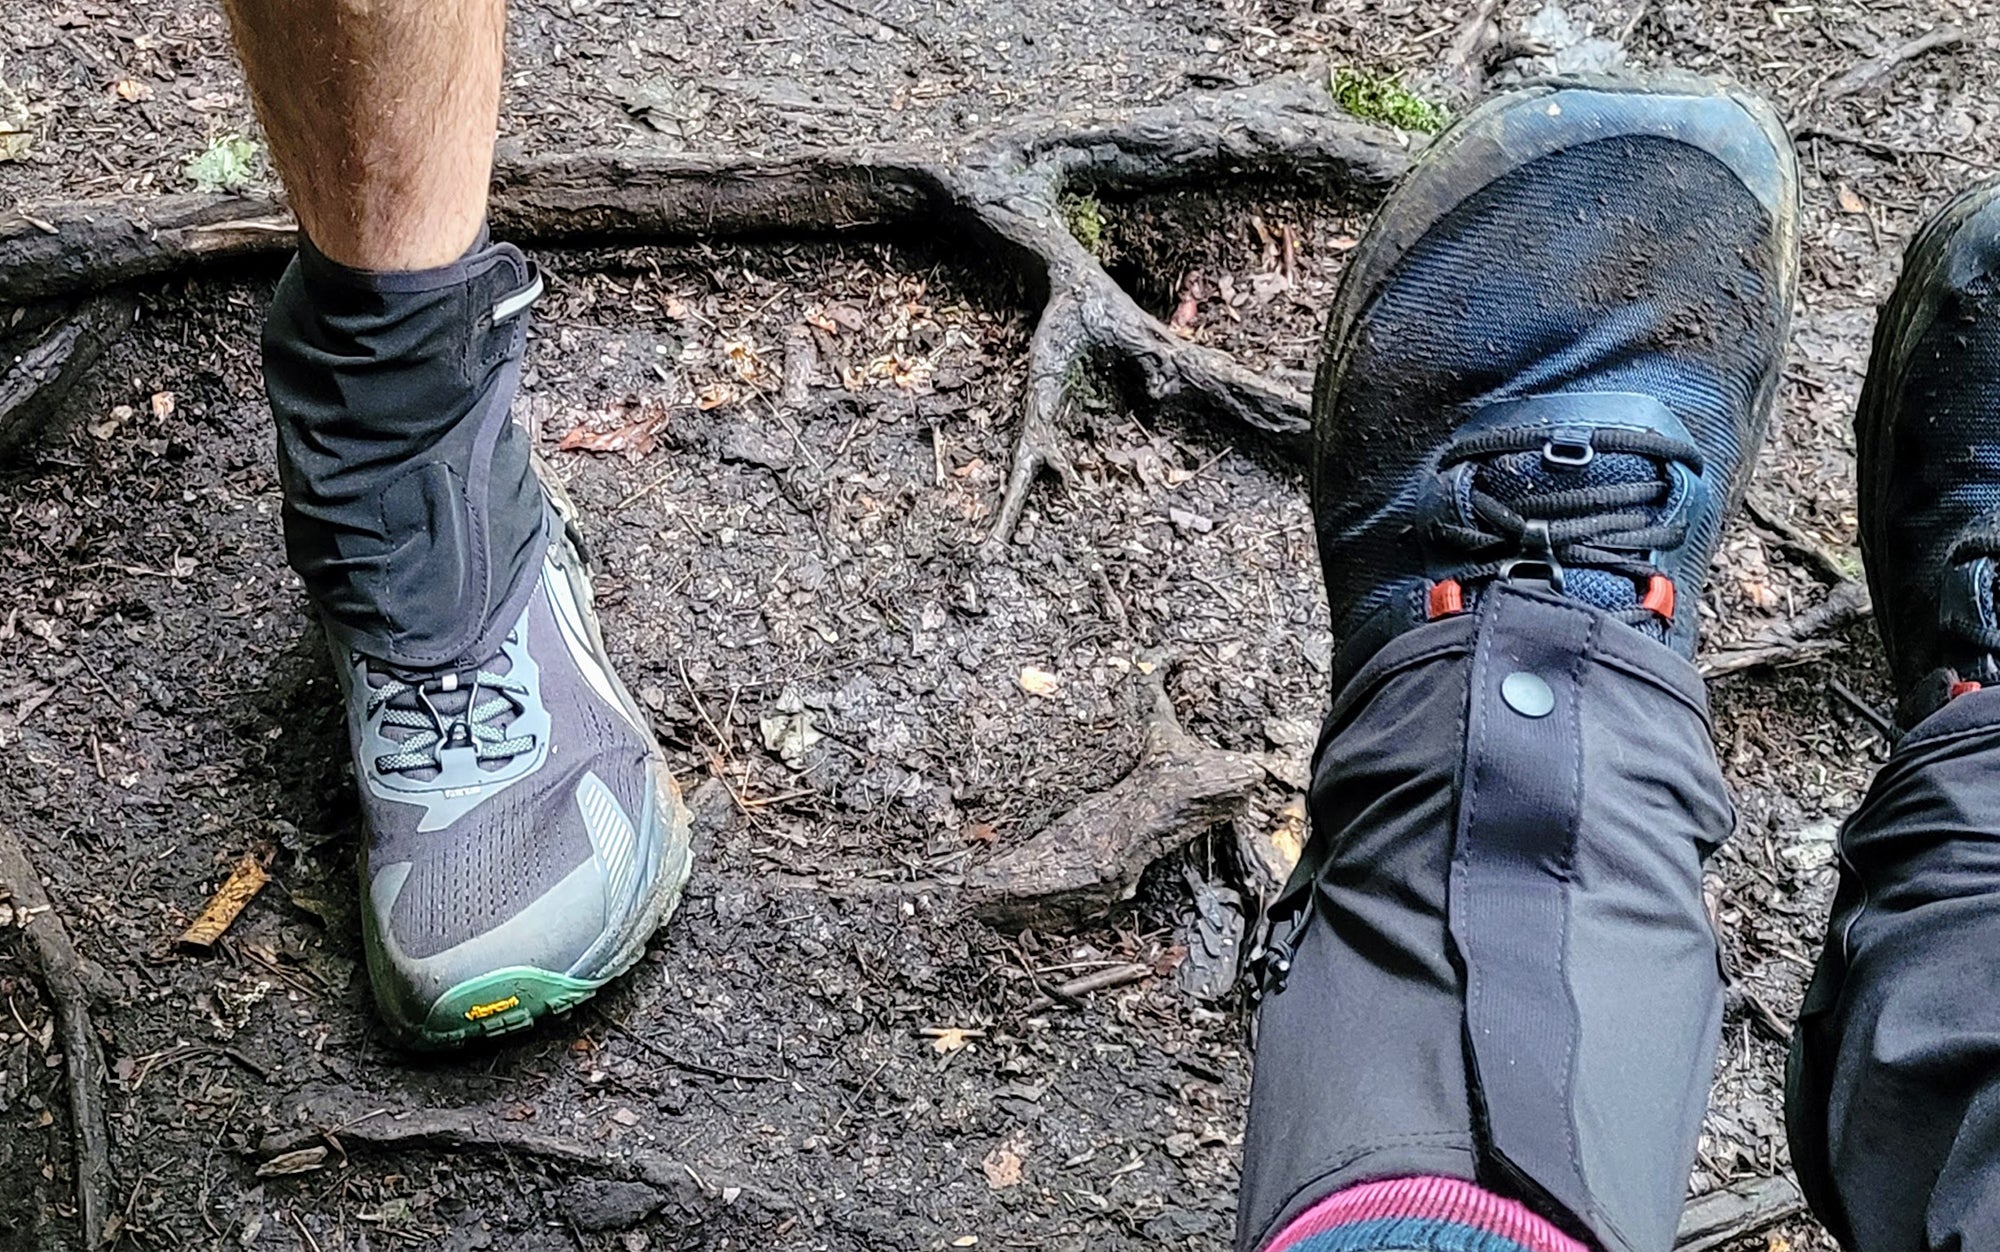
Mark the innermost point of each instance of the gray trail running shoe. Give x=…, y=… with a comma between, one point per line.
x=525, y=838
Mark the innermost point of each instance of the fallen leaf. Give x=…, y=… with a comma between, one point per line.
x=131, y=90
x=245, y=881
x=119, y=415
x=625, y=1117
x=163, y=404
x=303, y=1161
x=636, y=438
x=1002, y=1166
x=714, y=396
x=1850, y=202
x=951, y=1038
x=743, y=357
x=1039, y=682
x=982, y=832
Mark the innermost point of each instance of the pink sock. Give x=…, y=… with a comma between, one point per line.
x=1420, y=1215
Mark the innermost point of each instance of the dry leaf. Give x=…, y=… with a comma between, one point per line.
x=245, y=881
x=743, y=357
x=714, y=396
x=635, y=438
x=951, y=1038
x=119, y=415
x=1850, y=202
x=303, y=1161
x=131, y=90
x=982, y=832
x=163, y=404
x=1002, y=1166
x=1039, y=682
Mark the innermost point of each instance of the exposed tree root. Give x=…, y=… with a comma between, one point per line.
x=344, y=1127
x=1809, y=635
x=1000, y=197
x=1806, y=637
x=40, y=362
x=1721, y=1218
x=63, y=976
x=1092, y=857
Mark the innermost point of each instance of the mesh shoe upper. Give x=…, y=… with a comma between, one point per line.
x=1928, y=437
x=529, y=838
x=1639, y=260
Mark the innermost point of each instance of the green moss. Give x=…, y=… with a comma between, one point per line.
x=1085, y=216
x=1383, y=98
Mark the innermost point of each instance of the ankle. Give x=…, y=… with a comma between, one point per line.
x=1420, y=1215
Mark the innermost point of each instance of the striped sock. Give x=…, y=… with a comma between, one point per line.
x=1420, y=1215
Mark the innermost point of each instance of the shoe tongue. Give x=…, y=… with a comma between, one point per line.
x=1517, y=479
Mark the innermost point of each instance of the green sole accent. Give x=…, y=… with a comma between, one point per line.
x=500, y=1003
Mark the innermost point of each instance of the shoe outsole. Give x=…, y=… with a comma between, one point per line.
x=508, y=1001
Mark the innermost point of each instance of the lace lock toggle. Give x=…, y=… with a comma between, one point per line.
x=1537, y=562
x=1569, y=447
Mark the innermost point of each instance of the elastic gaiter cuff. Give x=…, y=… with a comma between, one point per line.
x=412, y=510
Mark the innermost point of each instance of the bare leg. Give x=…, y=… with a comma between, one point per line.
x=381, y=116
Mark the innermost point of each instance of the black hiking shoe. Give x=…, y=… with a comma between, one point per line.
x=1928, y=443
x=1553, y=359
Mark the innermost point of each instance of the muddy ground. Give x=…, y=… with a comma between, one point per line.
x=823, y=1051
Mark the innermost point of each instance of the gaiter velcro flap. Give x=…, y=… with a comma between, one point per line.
x=412, y=511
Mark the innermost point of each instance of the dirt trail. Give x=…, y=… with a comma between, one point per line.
x=825, y=1050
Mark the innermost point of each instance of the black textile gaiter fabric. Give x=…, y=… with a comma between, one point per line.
x=412, y=510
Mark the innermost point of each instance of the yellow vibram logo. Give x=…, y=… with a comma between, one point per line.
x=480, y=1012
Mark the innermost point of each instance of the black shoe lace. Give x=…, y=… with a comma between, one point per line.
x=1983, y=540
x=1600, y=526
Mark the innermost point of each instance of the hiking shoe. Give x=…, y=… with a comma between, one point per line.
x=1553, y=357
x=525, y=838
x=1928, y=446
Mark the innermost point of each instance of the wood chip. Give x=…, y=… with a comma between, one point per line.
x=245, y=881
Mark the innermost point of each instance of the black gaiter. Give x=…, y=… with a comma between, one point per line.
x=412, y=510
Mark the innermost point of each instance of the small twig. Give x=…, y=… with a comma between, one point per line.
x=1464, y=68
x=683, y=1064
x=1823, y=562
x=1640, y=12
x=1105, y=980
x=83, y=1062
x=1890, y=151
x=1875, y=70
x=1883, y=726
x=914, y=36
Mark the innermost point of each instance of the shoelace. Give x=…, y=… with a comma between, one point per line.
x=1599, y=526
x=409, y=706
x=1982, y=541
